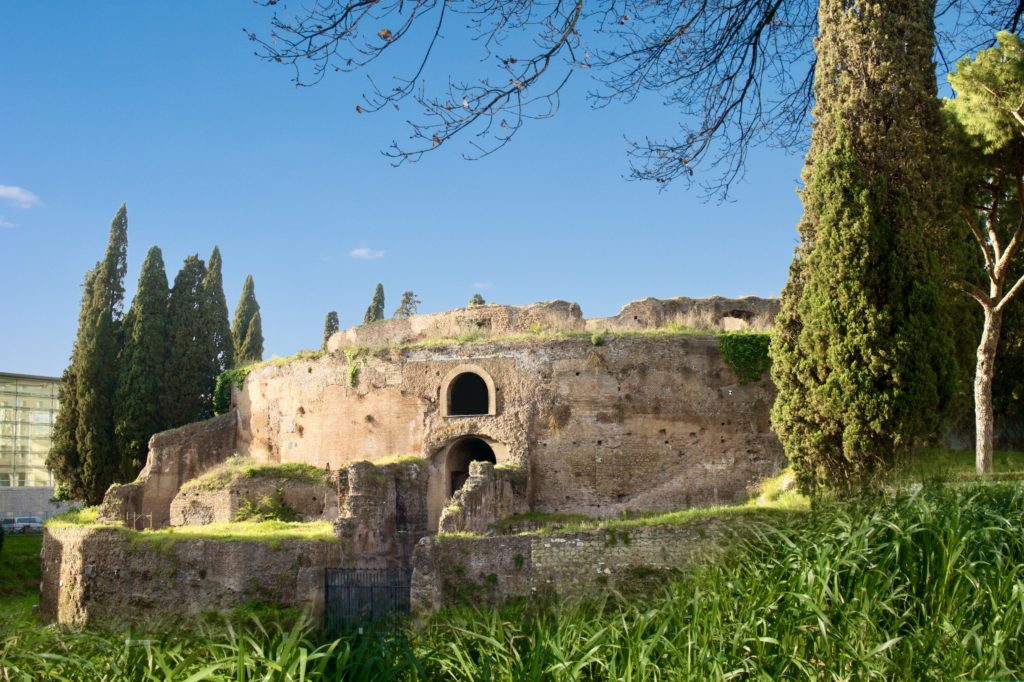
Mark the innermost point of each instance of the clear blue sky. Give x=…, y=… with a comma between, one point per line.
x=162, y=105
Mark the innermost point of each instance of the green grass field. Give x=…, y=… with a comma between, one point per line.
x=926, y=585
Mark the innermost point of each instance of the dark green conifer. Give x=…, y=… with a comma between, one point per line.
x=96, y=373
x=187, y=395
x=330, y=327
x=137, y=410
x=248, y=341
x=64, y=459
x=861, y=354
x=375, y=312
x=219, y=341
x=477, y=300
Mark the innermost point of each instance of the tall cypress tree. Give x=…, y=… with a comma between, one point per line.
x=187, y=396
x=247, y=330
x=330, y=327
x=137, y=411
x=862, y=356
x=64, y=459
x=97, y=351
x=222, y=351
x=375, y=311
x=213, y=286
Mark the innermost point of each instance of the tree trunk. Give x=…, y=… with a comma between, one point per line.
x=984, y=420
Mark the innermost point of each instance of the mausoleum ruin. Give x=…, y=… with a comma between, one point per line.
x=435, y=424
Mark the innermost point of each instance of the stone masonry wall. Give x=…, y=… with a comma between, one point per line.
x=638, y=423
x=453, y=570
x=489, y=495
x=486, y=320
x=175, y=456
x=103, y=576
x=314, y=502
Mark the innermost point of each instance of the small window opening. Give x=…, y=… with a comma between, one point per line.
x=468, y=396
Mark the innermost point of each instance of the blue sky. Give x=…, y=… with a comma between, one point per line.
x=163, y=105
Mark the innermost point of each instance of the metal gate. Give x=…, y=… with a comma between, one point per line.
x=355, y=598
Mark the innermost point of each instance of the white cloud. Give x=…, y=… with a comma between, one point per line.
x=19, y=196
x=481, y=285
x=366, y=253
x=5, y=223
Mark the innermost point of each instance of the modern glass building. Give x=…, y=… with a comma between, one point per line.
x=28, y=405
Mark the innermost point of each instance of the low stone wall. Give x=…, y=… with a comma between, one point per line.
x=105, y=577
x=313, y=502
x=453, y=570
x=485, y=320
x=716, y=312
x=175, y=456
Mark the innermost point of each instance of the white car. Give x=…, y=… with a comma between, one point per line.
x=27, y=524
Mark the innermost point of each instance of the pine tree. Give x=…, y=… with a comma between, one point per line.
x=477, y=300
x=96, y=373
x=186, y=393
x=137, y=410
x=330, y=327
x=409, y=305
x=375, y=312
x=861, y=354
x=248, y=342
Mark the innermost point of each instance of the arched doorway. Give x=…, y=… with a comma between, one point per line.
x=468, y=394
x=460, y=454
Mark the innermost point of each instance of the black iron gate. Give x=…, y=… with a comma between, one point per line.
x=355, y=598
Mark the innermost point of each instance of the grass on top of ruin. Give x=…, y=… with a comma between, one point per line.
x=269, y=532
x=237, y=466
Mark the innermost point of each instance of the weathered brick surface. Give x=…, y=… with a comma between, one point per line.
x=101, y=576
x=452, y=570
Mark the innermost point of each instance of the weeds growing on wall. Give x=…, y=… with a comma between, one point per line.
x=267, y=508
x=746, y=353
x=222, y=390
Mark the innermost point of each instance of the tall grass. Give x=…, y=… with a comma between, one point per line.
x=922, y=586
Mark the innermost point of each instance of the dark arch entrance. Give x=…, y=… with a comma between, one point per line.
x=461, y=454
x=467, y=395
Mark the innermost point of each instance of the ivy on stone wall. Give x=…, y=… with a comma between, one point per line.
x=222, y=392
x=746, y=354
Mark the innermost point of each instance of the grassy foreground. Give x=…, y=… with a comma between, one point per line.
x=923, y=586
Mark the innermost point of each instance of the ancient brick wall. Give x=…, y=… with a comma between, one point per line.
x=102, y=576
x=313, y=502
x=175, y=456
x=638, y=423
x=453, y=570
x=486, y=320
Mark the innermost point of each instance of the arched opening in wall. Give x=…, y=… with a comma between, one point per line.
x=468, y=395
x=460, y=454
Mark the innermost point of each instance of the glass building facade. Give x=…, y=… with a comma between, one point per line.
x=28, y=405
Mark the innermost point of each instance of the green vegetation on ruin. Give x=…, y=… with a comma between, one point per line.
x=848, y=592
x=86, y=516
x=399, y=459
x=236, y=467
x=269, y=532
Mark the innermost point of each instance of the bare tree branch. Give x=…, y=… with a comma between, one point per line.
x=738, y=72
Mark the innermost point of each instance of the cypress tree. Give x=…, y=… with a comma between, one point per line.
x=252, y=346
x=96, y=374
x=375, y=311
x=330, y=327
x=248, y=341
x=137, y=411
x=187, y=396
x=861, y=355
x=64, y=459
x=222, y=351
